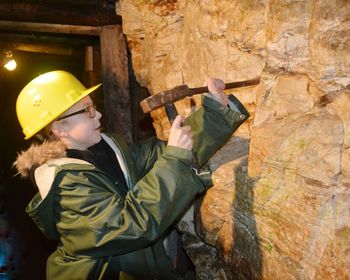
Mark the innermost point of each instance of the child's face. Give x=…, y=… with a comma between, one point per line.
x=81, y=130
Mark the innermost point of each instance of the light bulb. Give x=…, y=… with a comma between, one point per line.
x=11, y=65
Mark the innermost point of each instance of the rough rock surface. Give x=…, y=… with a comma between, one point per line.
x=280, y=205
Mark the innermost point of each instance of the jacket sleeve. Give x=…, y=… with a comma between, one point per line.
x=213, y=124
x=96, y=221
x=145, y=153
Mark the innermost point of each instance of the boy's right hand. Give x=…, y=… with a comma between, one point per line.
x=180, y=136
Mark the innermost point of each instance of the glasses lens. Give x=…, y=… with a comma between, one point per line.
x=91, y=111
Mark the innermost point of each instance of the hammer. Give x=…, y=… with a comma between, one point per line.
x=168, y=97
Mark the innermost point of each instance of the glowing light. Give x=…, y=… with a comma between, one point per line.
x=11, y=65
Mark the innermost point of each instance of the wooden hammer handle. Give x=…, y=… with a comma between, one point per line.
x=171, y=112
x=227, y=86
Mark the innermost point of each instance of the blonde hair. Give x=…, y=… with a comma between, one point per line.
x=46, y=134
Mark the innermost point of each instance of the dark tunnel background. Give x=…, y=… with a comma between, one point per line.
x=23, y=248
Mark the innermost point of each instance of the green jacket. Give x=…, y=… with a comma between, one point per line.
x=105, y=232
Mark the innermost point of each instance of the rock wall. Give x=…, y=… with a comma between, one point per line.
x=280, y=206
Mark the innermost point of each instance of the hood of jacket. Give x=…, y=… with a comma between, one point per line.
x=37, y=155
x=38, y=158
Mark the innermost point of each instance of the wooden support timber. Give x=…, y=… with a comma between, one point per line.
x=116, y=81
x=69, y=45
x=30, y=27
x=90, y=13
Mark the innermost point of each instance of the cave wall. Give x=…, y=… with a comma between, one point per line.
x=280, y=205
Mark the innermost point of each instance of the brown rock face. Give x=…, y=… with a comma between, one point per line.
x=280, y=205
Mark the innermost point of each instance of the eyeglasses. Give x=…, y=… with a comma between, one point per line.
x=90, y=109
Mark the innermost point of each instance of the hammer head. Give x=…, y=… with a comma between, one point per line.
x=165, y=97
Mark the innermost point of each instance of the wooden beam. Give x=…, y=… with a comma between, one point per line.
x=49, y=28
x=61, y=40
x=115, y=79
x=40, y=48
x=89, y=59
x=90, y=13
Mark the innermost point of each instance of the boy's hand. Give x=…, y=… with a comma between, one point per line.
x=180, y=136
x=216, y=90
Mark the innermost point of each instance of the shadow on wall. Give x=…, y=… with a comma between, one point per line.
x=232, y=253
x=246, y=259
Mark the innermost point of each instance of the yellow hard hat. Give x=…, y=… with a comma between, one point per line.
x=46, y=97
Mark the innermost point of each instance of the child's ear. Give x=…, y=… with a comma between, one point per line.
x=58, y=129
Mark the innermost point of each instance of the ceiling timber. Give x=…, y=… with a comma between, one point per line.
x=52, y=26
